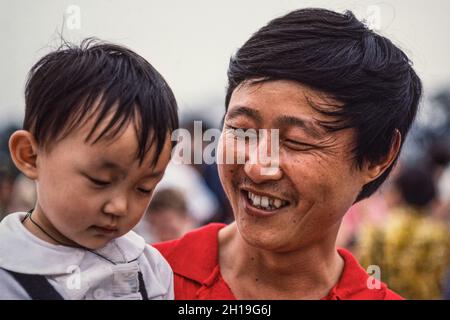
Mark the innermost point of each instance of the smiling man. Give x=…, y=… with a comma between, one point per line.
x=341, y=99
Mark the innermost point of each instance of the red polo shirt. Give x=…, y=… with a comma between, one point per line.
x=194, y=260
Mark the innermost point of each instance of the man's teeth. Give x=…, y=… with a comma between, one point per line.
x=265, y=202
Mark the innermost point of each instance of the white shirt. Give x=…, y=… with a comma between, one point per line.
x=79, y=274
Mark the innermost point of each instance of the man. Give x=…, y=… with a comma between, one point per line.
x=340, y=100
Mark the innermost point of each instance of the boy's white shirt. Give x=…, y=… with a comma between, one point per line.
x=80, y=274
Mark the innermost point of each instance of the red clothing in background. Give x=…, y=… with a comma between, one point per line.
x=194, y=260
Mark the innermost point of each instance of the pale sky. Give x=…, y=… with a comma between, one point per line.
x=190, y=42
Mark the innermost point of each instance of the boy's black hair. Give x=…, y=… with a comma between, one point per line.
x=339, y=56
x=65, y=86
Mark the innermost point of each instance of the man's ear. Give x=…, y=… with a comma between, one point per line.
x=23, y=150
x=375, y=169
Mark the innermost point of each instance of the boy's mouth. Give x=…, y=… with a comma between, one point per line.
x=105, y=229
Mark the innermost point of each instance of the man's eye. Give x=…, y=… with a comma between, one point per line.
x=243, y=133
x=296, y=145
x=98, y=182
x=230, y=128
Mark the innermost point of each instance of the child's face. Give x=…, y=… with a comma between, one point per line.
x=90, y=194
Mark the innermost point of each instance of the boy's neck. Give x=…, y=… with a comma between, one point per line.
x=38, y=224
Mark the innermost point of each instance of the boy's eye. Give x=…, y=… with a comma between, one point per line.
x=99, y=182
x=144, y=191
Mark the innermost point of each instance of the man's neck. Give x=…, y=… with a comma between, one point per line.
x=253, y=273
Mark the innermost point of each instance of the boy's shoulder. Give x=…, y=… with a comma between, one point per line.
x=22, y=252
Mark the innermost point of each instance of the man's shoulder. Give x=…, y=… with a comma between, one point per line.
x=194, y=255
x=391, y=295
x=356, y=283
x=202, y=238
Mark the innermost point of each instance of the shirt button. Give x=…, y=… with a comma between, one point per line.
x=99, y=294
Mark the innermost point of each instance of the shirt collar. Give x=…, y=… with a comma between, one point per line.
x=353, y=283
x=23, y=252
x=195, y=256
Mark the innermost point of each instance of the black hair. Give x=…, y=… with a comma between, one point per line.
x=438, y=155
x=416, y=186
x=65, y=86
x=372, y=79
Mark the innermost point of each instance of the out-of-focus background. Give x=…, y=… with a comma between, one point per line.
x=400, y=234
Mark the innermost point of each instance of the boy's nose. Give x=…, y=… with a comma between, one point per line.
x=116, y=206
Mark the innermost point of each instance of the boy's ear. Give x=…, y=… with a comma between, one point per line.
x=23, y=150
x=375, y=169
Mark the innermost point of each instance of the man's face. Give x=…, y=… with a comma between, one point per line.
x=89, y=194
x=316, y=180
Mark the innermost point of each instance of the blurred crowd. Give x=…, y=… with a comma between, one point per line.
x=402, y=231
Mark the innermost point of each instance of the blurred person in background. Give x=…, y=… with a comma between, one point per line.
x=201, y=202
x=8, y=172
x=443, y=211
x=6, y=187
x=167, y=217
x=208, y=172
x=438, y=158
x=411, y=247
x=184, y=175
x=23, y=194
x=371, y=211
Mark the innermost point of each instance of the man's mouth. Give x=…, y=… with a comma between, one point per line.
x=264, y=201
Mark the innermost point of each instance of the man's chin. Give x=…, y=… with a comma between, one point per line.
x=266, y=236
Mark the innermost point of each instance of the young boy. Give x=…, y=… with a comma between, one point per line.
x=96, y=140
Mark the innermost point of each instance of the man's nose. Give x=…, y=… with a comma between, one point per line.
x=262, y=161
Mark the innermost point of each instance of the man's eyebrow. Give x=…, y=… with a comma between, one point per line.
x=310, y=127
x=244, y=111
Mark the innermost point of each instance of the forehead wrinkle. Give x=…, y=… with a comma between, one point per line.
x=244, y=111
x=306, y=125
x=324, y=105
